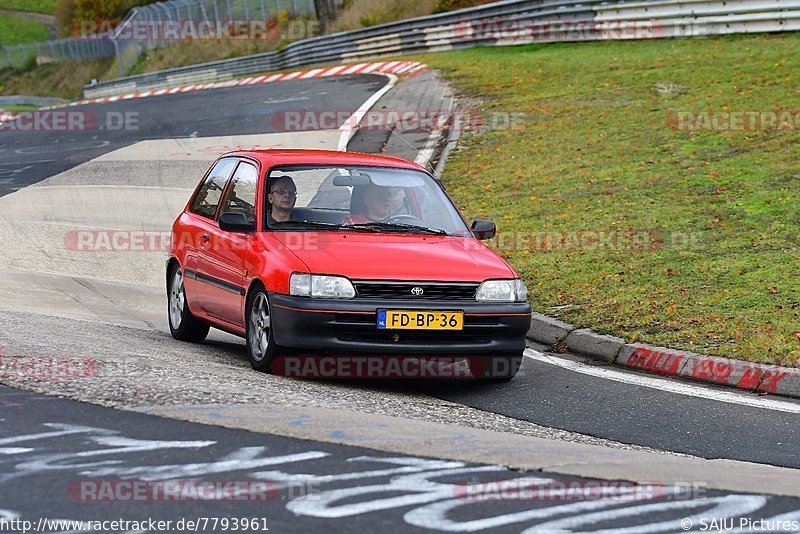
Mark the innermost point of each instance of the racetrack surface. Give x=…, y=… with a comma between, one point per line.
x=78, y=461
x=27, y=157
x=110, y=307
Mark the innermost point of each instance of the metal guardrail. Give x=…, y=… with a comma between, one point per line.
x=128, y=51
x=501, y=23
x=38, y=101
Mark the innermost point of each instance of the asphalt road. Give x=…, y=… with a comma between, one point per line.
x=27, y=157
x=80, y=462
x=555, y=397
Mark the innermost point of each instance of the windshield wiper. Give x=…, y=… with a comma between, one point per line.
x=399, y=226
x=313, y=224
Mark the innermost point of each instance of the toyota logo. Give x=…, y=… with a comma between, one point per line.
x=417, y=291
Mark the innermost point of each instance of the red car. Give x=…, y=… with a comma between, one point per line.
x=340, y=253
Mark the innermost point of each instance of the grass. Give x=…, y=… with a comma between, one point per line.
x=364, y=13
x=64, y=79
x=16, y=30
x=47, y=7
x=19, y=108
x=193, y=52
x=597, y=152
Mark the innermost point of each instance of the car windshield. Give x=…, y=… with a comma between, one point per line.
x=359, y=199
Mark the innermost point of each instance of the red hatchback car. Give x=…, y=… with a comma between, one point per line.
x=337, y=253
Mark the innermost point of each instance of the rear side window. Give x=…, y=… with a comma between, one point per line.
x=207, y=199
x=242, y=196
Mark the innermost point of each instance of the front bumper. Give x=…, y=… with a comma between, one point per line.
x=350, y=327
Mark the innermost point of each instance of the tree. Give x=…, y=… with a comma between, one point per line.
x=324, y=14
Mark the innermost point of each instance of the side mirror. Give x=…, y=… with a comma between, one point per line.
x=236, y=222
x=484, y=229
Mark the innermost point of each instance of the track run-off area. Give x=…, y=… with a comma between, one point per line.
x=390, y=454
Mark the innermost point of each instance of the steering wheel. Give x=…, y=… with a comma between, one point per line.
x=405, y=218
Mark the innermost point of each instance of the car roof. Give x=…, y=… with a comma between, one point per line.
x=282, y=156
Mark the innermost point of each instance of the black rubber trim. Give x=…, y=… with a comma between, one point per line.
x=216, y=282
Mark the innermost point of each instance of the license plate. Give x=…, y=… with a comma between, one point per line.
x=420, y=320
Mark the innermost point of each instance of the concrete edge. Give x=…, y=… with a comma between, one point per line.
x=750, y=376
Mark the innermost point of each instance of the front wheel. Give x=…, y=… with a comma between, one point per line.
x=500, y=368
x=261, y=346
x=182, y=324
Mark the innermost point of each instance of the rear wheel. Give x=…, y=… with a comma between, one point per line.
x=261, y=346
x=182, y=324
x=500, y=368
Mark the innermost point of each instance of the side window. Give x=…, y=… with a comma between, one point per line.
x=242, y=196
x=207, y=199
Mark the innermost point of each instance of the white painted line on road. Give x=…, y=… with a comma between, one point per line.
x=350, y=125
x=424, y=156
x=14, y=450
x=670, y=386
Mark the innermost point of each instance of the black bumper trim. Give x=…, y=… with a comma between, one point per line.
x=350, y=327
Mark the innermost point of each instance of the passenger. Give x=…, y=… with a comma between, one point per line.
x=377, y=204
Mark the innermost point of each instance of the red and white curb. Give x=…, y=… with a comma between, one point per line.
x=761, y=378
x=406, y=68
x=6, y=116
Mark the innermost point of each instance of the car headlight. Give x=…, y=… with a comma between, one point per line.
x=502, y=291
x=323, y=287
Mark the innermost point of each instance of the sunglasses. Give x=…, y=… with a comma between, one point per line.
x=284, y=192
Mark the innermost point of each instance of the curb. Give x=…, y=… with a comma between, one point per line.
x=384, y=67
x=749, y=376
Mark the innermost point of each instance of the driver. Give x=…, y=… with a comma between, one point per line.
x=378, y=201
x=282, y=197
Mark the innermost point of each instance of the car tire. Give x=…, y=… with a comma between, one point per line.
x=499, y=368
x=261, y=347
x=182, y=324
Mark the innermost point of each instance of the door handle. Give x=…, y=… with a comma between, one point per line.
x=206, y=237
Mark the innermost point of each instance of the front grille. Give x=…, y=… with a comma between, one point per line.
x=363, y=328
x=407, y=337
x=408, y=291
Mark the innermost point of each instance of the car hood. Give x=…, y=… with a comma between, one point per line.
x=386, y=256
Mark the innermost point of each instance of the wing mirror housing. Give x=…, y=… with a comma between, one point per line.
x=484, y=229
x=235, y=222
